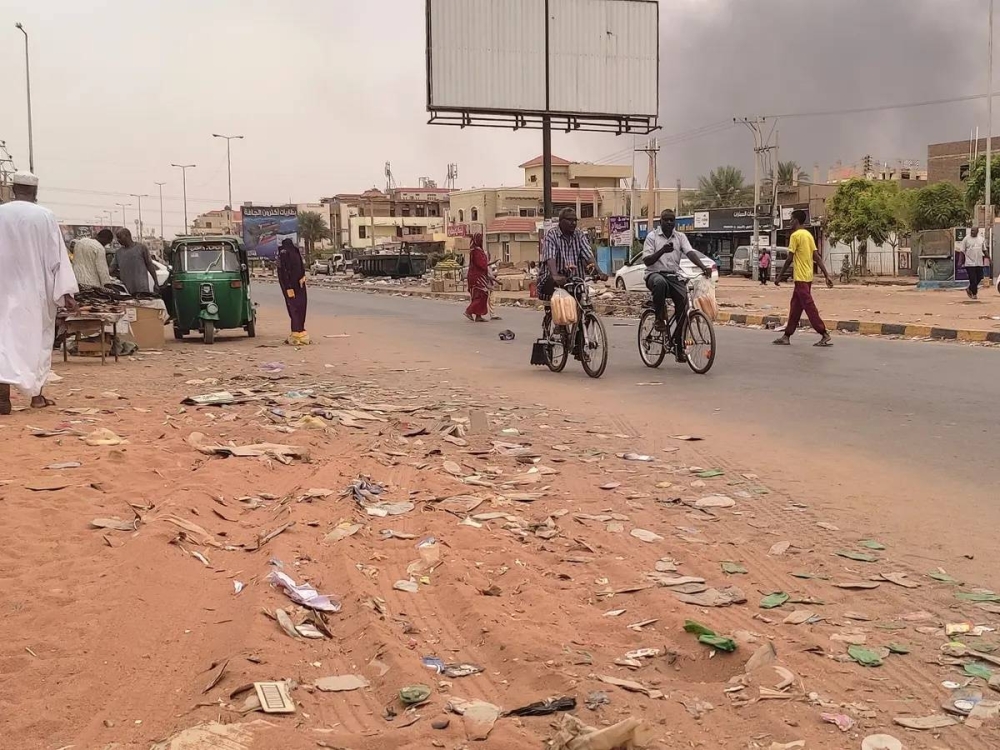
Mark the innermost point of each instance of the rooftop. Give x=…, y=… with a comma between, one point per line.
x=557, y=161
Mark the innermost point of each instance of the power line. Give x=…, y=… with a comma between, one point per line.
x=881, y=107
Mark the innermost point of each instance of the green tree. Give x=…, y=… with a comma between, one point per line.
x=722, y=188
x=975, y=185
x=312, y=229
x=938, y=206
x=863, y=210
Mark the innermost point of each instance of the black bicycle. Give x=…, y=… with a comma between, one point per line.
x=699, y=337
x=586, y=339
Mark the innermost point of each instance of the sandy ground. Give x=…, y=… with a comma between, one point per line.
x=108, y=638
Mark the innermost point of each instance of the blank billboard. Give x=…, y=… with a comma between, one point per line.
x=488, y=56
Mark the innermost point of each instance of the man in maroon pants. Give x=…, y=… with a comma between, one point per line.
x=802, y=253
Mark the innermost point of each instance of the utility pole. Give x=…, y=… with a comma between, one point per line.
x=123, y=206
x=651, y=150
x=229, y=166
x=371, y=214
x=27, y=78
x=775, y=210
x=760, y=146
x=139, y=198
x=989, y=138
x=679, y=203
x=160, y=186
x=184, y=176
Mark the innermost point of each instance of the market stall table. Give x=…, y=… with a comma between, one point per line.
x=90, y=324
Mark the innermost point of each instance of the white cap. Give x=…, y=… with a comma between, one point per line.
x=25, y=178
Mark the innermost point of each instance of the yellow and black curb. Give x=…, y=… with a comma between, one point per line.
x=737, y=319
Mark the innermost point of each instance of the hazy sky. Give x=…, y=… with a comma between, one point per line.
x=327, y=91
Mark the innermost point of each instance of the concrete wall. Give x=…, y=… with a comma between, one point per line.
x=385, y=228
x=945, y=160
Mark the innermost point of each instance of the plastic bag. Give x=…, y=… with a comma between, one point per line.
x=704, y=297
x=563, y=308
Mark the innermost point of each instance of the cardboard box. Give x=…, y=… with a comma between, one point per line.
x=149, y=333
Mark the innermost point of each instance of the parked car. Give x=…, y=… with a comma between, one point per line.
x=745, y=259
x=632, y=276
x=320, y=267
x=162, y=273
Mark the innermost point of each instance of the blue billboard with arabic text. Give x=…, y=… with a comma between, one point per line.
x=264, y=227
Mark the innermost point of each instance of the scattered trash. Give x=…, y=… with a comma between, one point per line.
x=937, y=721
x=573, y=734
x=898, y=649
x=304, y=593
x=900, y=579
x=797, y=745
x=709, y=637
x=713, y=597
x=103, y=436
x=978, y=670
x=597, y=699
x=779, y=549
x=977, y=596
x=635, y=457
x=856, y=585
x=451, y=670
x=545, y=707
x=611, y=486
x=630, y=686
x=881, y=742
x=646, y=536
x=710, y=474
x=507, y=335
x=856, y=556
x=772, y=601
x=64, y=465
x=864, y=656
x=827, y=526
x=733, y=568
x=274, y=697
x=343, y=530
x=409, y=587
x=478, y=716
x=413, y=695
x=281, y=453
x=872, y=544
x=844, y=722
x=715, y=501
x=799, y=617
x=114, y=523
x=212, y=735
x=219, y=398
x=687, y=438
x=340, y=683
x=285, y=622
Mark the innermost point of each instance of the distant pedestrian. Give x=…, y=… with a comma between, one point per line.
x=802, y=252
x=36, y=277
x=977, y=257
x=764, y=265
x=292, y=279
x=133, y=265
x=479, y=281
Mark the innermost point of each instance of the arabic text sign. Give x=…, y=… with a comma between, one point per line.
x=264, y=227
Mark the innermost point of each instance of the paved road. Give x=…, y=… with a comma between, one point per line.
x=911, y=403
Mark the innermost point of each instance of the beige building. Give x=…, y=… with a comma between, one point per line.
x=218, y=222
x=357, y=218
x=907, y=174
x=576, y=174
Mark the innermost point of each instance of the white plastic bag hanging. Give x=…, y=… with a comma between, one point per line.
x=563, y=308
x=704, y=297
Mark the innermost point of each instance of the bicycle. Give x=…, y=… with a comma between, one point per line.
x=699, y=337
x=586, y=339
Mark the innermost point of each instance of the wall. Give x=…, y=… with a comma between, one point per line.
x=522, y=250
x=386, y=226
x=945, y=160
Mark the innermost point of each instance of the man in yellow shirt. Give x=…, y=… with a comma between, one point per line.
x=802, y=254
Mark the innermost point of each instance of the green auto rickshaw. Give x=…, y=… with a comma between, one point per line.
x=210, y=284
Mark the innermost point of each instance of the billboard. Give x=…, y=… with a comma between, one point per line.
x=620, y=231
x=590, y=60
x=264, y=227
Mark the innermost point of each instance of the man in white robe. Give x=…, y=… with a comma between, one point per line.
x=36, y=277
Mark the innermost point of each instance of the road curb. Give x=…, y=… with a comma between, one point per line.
x=865, y=328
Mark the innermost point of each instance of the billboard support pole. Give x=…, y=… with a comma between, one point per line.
x=547, y=132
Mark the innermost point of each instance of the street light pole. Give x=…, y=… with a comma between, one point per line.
x=160, y=186
x=27, y=77
x=110, y=217
x=229, y=164
x=184, y=168
x=139, y=198
x=123, y=206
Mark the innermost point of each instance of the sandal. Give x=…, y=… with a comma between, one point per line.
x=824, y=342
x=46, y=402
x=782, y=341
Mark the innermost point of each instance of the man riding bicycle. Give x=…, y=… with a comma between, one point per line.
x=662, y=253
x=565, y=252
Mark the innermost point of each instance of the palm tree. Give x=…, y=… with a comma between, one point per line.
x=724, y=187
x=789, y=172
x=312, y=229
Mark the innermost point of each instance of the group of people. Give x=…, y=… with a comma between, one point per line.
x=132, y=263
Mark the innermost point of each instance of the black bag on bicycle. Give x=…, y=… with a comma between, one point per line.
x=541, y=352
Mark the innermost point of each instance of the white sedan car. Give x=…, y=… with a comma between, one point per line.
x=632, y=276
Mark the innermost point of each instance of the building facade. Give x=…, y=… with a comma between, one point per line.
x=218, y=222
x=571, y=174
x=949, y=162
x=363, y=221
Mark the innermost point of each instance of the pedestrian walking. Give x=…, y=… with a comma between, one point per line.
x=764, y=265
x=977, y=257
x=292, y=280
x=36, y=277
x=478, y=281
x=803, y=254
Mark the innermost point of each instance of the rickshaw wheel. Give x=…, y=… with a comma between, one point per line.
x=209, y=332
x=252, y=328
x=179, y=334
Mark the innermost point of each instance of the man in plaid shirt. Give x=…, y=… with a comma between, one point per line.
x=565, y=252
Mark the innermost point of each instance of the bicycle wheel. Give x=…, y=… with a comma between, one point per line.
x=651, y=348
x=557, y=349
x=594, y=356
x=699, y=342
